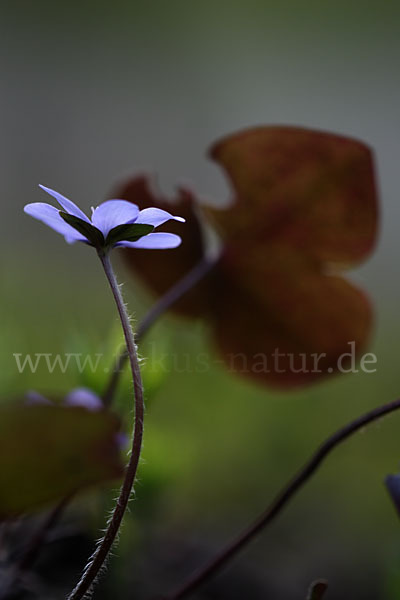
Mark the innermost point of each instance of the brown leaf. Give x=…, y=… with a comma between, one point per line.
x=317, y=590
x=312, y=190
x=283, y=322
x=303, y=202
x=304, y=206
x=49, y=452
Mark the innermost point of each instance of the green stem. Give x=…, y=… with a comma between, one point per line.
x=103, y=549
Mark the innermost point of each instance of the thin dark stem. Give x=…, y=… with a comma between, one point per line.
x=33, y=548
x=175, y=293
x=283, y=498
x=101, y=553
x=37, y=541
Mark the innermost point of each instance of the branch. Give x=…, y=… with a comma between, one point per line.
x=282, y=499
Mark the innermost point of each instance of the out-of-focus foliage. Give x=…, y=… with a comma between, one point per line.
x=392, y=483
x=50, y=452
x=317, y=590
x=304, y=208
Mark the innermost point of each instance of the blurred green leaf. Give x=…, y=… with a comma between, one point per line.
x=49, y=452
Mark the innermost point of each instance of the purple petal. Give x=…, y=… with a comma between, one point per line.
x=153, y=241
x=83, y=397
x=33, y=397
x=50, y=216
x=69, y=206
x=156, y=217
x=112, y=213
x=121, y=439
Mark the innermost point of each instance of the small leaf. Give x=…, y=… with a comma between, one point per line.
x=90, y=232
x=392, y=483
x=128, y=233
x=317, y=590
x=49, y=452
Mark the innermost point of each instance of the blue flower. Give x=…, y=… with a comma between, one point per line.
x=114, y=223
x=81, y=396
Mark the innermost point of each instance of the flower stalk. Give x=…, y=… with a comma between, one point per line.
x=100, y=555
x=168, y=299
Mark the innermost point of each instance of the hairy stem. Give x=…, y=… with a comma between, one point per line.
x=281, y=500
x=175, y=293
x=101, y=553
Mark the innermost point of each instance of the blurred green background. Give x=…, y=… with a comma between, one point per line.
x=93, y=91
